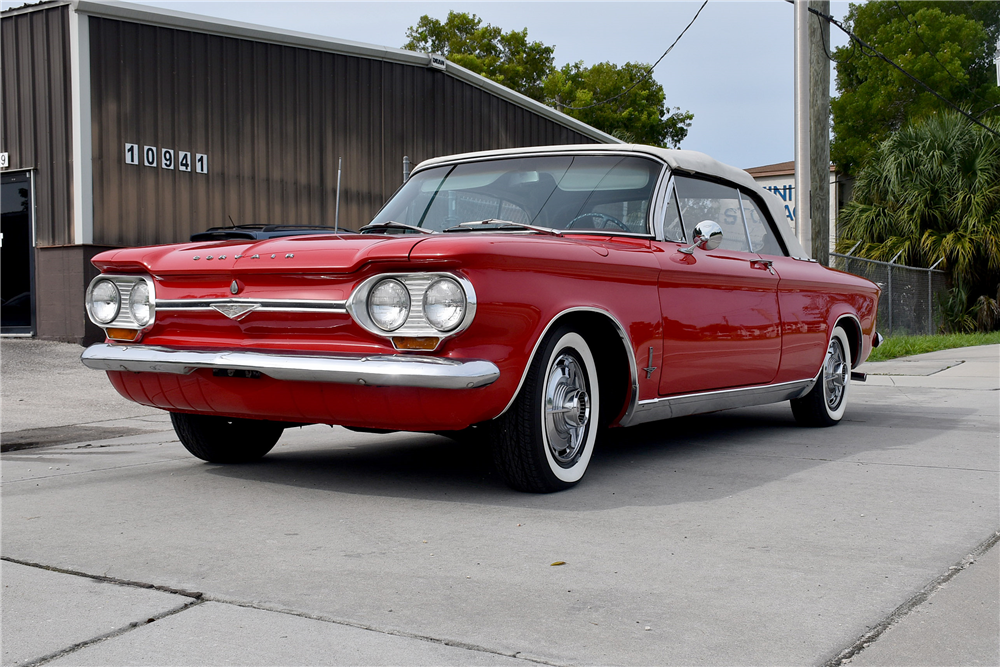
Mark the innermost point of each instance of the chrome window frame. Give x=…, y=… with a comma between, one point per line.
x=767, y=220
x=654, y=207
x=714, y=180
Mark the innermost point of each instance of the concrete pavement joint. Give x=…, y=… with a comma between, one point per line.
x=108, y=635
x=200, y=598
x=361, y=626
x=55, y=436
x=904, y=609
x=90, y=472
x=102, y=578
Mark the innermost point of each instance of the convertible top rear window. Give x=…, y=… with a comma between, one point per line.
x=584, y=192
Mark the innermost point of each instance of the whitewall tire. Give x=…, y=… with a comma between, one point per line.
x=545, y=441
x=826, y=403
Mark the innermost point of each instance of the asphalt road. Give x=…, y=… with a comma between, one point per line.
x=723, y=539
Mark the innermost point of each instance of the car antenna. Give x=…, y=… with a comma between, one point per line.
x=336, y=213
x=231, y=221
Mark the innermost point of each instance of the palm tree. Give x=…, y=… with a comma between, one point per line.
x=930, y=192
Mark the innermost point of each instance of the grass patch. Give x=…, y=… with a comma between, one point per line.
x=904, y=346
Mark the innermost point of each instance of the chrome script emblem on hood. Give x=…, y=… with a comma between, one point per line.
x=235, y=311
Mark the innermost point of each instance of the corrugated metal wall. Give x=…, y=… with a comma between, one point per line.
x=272, y=121
x=36, y=113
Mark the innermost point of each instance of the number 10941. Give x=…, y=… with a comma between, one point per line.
x=166, y=158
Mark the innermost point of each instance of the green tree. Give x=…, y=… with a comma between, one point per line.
x=950, y=46
x=622, y=101
x=931, y=191
x=505, y=57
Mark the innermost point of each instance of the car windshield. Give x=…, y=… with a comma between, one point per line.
x=608, y=193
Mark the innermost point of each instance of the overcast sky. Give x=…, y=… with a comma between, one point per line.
x=733, y=68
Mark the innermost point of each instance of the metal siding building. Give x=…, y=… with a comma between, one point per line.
x=259, y=117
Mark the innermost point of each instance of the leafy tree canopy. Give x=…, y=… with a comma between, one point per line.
x=638, y=112
x=931, y=191
x=506, y=57
x=950, y=46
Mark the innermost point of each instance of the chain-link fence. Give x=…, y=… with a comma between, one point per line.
x=911, y=297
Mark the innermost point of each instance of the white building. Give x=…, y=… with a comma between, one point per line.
x=780, y=179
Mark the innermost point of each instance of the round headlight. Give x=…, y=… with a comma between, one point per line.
x=444, y=304
x=139, y=304
x=389, y=304
x=104, y=301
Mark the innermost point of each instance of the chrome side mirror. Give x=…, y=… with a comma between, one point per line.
x=707, y=235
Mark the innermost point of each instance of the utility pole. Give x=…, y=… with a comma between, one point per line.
x=803, y=170
x=819, y=142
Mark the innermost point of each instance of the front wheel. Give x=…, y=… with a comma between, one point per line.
x=825, y=404
x=224, y=439
x=544, y=442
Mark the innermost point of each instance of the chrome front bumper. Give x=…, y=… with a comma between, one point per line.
x=380, y=370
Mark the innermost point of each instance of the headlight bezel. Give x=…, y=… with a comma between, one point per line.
x=124, y=317
x=142, y=322
x=424, y=304
x=91, y=302
x=389, y=283
x=416, y=324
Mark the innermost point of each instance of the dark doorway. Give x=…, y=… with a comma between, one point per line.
x=17, y=294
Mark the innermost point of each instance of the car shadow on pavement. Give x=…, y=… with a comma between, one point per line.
x=687, y=459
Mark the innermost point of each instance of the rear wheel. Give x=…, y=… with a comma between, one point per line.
x=826, y=403
x=224, y=439
x=544, y=442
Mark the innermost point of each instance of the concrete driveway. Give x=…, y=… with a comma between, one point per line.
x=731, y=538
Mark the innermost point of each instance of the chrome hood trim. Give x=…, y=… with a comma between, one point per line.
x=376, y=370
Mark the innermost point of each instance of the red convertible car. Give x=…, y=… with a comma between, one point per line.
x=538, y=295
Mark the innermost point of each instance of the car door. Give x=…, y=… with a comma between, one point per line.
x=721, y=322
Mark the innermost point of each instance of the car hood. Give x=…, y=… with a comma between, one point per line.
x=304, y=254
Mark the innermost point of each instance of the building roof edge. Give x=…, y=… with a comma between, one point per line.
x=167, y=18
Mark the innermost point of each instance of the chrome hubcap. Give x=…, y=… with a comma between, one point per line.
x=567, y=409
x=835, y=372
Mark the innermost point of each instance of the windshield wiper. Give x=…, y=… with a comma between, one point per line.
x=491, y=223
x=392, y=224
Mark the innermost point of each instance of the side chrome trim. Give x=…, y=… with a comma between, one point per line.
x=626, y=341
x=283, y=305
x=691, y=404
x=378, y=370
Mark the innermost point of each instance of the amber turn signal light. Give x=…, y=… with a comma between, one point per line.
x=122, y=334
x=415, y=343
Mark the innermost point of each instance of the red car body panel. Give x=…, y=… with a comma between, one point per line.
x=708, y=329
x=618, y=277
x=689, y=323
x=813, y=299
x=721, y=321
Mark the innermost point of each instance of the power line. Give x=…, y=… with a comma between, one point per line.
x=875, y=53
x=648, y=71
x=826, y=50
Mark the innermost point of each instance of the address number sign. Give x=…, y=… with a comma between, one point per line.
x=165, y=158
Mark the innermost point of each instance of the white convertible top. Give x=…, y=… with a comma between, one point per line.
x=678, y=160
